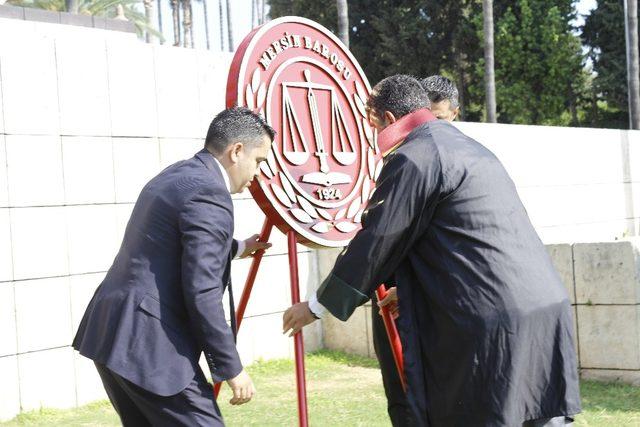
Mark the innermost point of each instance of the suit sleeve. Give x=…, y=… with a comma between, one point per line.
x=235, y=245
x=206, y=226
x=396, y=216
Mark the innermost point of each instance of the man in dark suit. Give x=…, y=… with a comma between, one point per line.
x=160, y=304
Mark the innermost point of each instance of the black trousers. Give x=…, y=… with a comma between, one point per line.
x=397, y=405
x=193, y=406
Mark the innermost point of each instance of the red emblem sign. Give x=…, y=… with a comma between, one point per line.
x=323, y=164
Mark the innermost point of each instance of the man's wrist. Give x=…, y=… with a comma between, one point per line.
x=241, y=248
x=317, y=309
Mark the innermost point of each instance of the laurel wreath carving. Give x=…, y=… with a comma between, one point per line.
x=256, y=93
x=346, y=219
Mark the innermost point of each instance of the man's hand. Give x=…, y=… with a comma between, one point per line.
x=242, y=387
x=252, y=245
x=297, y=317
x=391, y=300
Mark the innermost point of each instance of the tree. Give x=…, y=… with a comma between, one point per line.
x=71, y=6
x=175, y=13
x=148, y=12
x=538, y=63
x=343, y=21
x=160, y=20
x=229, y=26
x=206, y=23
x=187, y=23
x=489, y=76
x=221, y=15
x=633, y=79
x=537, y=60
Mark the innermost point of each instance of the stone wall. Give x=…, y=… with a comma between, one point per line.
x=87, y=117
x=603, y=282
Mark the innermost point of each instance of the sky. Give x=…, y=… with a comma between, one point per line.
x=242, y=24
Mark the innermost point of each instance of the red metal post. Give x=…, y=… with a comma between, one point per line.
x=248, y=285
x=392, y=334
x=298, y=342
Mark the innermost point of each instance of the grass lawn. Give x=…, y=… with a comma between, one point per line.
x=343, y=390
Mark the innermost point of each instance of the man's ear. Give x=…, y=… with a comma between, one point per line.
x=456, y=113
x=389, y=117
x=234, y=151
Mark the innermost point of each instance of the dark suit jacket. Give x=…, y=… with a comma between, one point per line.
x=160, y=304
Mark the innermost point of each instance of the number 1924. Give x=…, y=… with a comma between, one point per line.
x=330, y=193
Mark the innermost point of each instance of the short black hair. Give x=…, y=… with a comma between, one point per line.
x=236, y=124
x=399, y=94
x=440, y=88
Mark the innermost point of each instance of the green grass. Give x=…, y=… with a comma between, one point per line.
x=343, y=390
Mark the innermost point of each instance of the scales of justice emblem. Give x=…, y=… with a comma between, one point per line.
x=321, y=170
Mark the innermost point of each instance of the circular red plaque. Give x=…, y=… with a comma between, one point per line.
x=323, y=164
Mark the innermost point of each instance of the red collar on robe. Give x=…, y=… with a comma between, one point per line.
x=394, y=134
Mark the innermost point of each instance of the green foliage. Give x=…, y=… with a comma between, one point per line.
x=604, y=35
x=539, y=63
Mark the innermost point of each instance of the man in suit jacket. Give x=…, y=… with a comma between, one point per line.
x=160, y=304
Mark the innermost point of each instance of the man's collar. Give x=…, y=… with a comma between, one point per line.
x=394, y=134
x=212, y=163
x=225, y=176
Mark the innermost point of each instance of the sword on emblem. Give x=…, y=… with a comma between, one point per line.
x=339, y=132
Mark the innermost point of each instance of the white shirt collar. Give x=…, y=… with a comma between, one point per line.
x=224, y=174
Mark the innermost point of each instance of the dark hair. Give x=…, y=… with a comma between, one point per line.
x=399, y=94
x=440, y=88
x=236, y=124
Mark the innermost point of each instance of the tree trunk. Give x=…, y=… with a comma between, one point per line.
x=71, y=6
x=148, y=12
x=263, y=17
x=187, y=33
x=254, y=13
x=461, y=83
x=191, y=24
x=633, y=69
x=175, y=10
x=489, y=72
x=343, y=21
x=206, y=24
x=160, y=21
x=221, y=26
x=229, y=26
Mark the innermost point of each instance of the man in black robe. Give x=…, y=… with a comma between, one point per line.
x=444, y=104
x=485, y=321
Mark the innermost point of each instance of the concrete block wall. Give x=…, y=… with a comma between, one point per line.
x=603, y=282
x=578, y=184
x=85, y=122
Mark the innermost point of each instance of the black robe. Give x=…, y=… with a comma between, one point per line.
x=485, y=320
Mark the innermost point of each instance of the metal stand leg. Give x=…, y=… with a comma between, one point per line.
x=298, y=342
x=392, y=334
